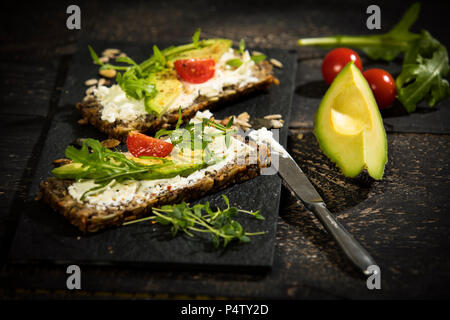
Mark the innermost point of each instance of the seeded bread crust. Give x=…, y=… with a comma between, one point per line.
x=89, y=219
x=91, y=108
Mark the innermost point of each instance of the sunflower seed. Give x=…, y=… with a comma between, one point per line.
x=229, y=91
x=110, y=143
x=276, y=124
x=276, y=63
x=90, y=90
x=103, y=82
x=90, y=82
x=242, y=123
x=273, y=116
x=244, y=116
x=110, y=53
x=108, y=73
x=103, y=59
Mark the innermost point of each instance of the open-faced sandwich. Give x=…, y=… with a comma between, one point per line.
x=96, y=187
x=195, y=77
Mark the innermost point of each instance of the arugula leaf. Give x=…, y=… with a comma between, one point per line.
x=200, y=218
x=134, y=86
x=196, y=37
x=94, y=56
x=159, y=57
x=235, y=63
x=424, y=66
x=257, y=58
x=241, y=46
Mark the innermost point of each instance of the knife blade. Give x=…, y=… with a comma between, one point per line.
x=299, y=183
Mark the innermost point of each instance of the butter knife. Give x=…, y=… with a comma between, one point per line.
x=297, y=181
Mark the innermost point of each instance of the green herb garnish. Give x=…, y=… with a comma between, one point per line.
x=425, y=62
x=257, y=58
x=104, y=166
x=241, y=46
x=196, y=37
x=219, y=224
x=235, y=63
x=193, y=135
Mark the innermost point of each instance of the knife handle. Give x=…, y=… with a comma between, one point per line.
x=351, y=247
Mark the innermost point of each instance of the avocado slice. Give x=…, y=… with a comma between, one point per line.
x=166, y=82
x=208, y=49
x=168, y=87
x=173, y=170
x=349, y=127
x=69, y=171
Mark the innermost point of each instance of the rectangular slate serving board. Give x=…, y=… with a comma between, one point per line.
x=43, y=235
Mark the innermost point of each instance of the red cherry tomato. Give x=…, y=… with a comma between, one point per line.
x=141, y=145
x=336, y=60
x=195, y=70
x=382, y=85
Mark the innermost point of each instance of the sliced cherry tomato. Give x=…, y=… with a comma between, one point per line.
x=195, y=70
x=382, y=85
x=141, y=145
x=336, y=60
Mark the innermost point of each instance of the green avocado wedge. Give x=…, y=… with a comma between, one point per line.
x=349, y=127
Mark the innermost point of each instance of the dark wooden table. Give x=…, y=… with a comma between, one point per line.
x=402, y=220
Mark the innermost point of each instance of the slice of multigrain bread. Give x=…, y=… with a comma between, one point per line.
x=89, y=218
x=91, y=108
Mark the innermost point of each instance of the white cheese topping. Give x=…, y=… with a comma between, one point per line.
x=117, y=106
x=264, y=136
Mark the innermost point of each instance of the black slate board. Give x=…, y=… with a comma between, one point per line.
x=310, y=88
x=45, y=236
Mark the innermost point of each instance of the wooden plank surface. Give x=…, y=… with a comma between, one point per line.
x=402, y=220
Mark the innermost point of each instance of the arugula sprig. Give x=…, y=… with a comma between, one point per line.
x=382, y=46
x=422, y=78
x=193, y=136
x=236, y=62
x=201, y=218
x=104, y=166
x=425, y=61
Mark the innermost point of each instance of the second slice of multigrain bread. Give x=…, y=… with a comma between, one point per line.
x=91, y=108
